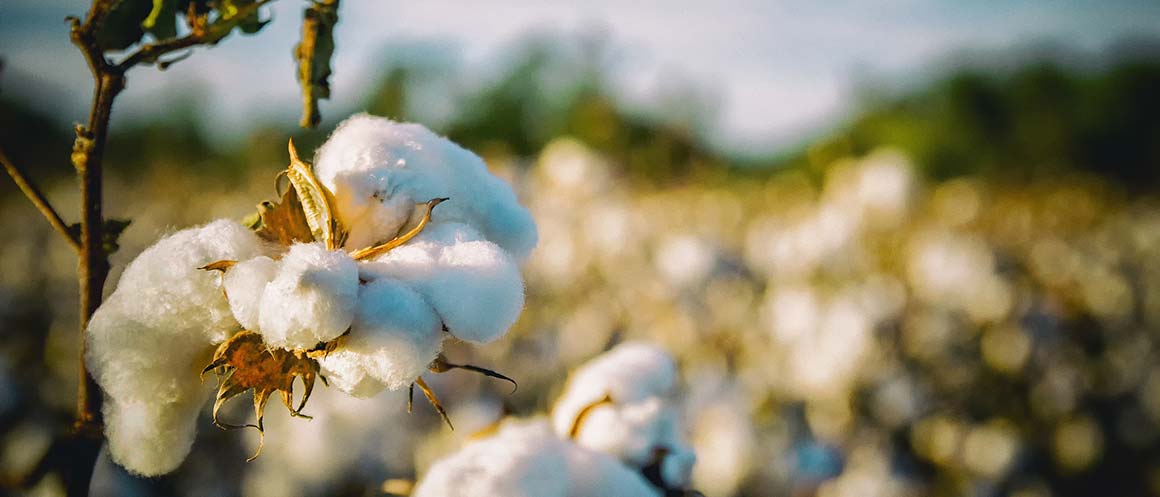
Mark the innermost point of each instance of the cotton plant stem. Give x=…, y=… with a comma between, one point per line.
x=38, y=200
x=93, y=266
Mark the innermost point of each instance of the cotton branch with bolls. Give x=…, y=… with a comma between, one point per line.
x=115, y=36
x=394, y=241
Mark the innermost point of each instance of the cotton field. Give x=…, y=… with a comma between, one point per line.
x=850, y=331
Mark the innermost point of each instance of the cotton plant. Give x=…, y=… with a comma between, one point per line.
x=613, y=432
x=395, y=240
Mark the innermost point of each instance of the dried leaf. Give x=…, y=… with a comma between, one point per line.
x=246, y=363
x=223, y=266
x=313, y=54
x=284, y=222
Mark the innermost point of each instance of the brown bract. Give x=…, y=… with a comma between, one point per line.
x=245, y=362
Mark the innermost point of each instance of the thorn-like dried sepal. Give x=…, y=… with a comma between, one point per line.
x=222, y=266
x=377, y=250
x=432, y=399
x=246, y=363
x=442, y=365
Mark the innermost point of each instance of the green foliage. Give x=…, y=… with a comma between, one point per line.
x=162, y=20
x=1040, y=120
x=122, y=26
x=128, y=21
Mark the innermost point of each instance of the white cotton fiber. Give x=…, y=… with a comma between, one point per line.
x=639, y=423
x=312, y=298
x=593, y=474
x=523, y=459
x=147, y=341
x=631, y=372
x=474, y=286
x=627, y=432
x=369, y=160
x=395, y=335
x=244, y=284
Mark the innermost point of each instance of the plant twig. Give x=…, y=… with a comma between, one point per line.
x=38, y=199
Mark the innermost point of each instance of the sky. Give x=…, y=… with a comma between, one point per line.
x=777, y=70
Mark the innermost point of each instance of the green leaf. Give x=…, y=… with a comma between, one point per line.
x=121, y=27
x=232, y=14
x=314, y=52
x=162, y=20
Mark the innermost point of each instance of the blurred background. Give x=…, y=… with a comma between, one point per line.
x=897, y=249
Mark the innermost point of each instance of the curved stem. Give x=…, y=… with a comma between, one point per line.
x=38, y=199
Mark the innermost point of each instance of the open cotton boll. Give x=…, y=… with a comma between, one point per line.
x=244, y=284
x=395, y=335
x=628, y=373
x=523, y=459
x=311, y=299
x=630, y=432
x=370, y=216
x=373, y=159
x=147, y=341
x=473, y=285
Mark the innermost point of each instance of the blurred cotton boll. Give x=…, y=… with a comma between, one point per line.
x=525, y=459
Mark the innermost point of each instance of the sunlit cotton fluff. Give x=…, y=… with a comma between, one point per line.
x=151, y=337
x=525, y=459
x=378, y=169
x=311, y=299
x=473, y=285
x=617, y=404
x=244, y=284
x=395, y=335
x=631, y=372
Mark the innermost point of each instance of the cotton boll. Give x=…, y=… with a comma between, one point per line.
x=630, y=433
x=395, y=335
x=148, y=341
x=244, y=284
x=473, y=285
x=523, y=459
x=373, y=159
x=312, y=298
x=629, y=373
